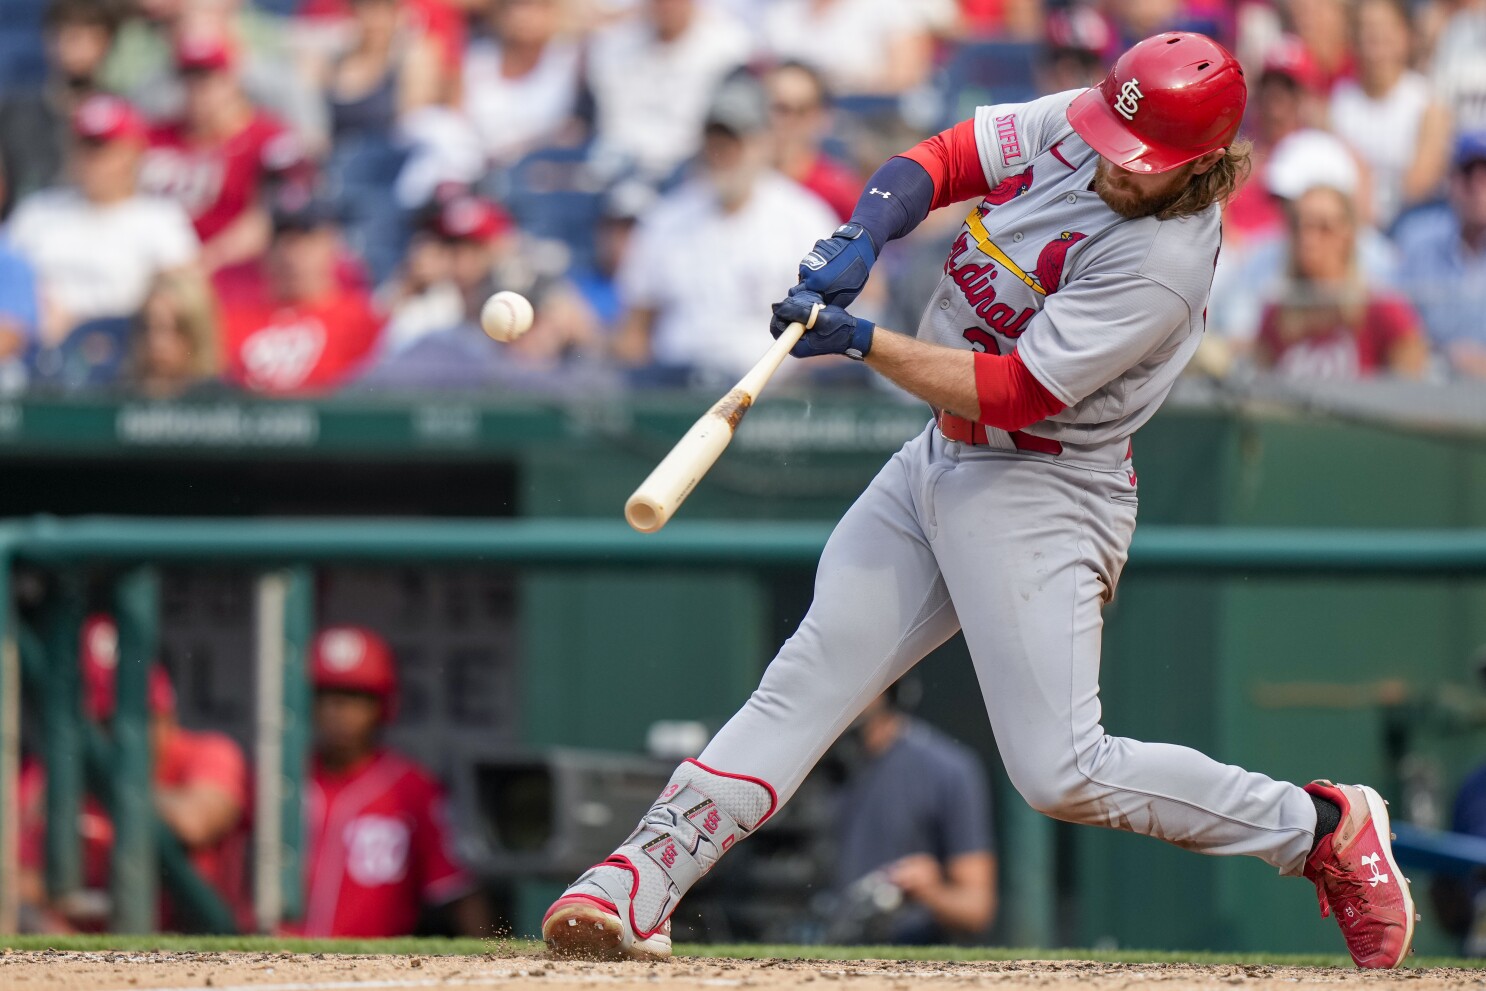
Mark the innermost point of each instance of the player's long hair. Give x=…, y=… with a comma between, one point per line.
x=1215, y=185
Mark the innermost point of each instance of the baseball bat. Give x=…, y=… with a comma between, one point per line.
x=666, y=488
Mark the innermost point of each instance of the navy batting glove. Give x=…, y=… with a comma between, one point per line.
x=835, y=330
x=837, y=267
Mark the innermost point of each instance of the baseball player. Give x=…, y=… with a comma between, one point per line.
x=378, y=847
x=1070, y=301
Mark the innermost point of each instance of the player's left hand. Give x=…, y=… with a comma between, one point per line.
x=916, y=874
x=835, y=331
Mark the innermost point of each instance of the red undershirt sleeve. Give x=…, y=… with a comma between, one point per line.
x=952, y=160
x=1010, y=396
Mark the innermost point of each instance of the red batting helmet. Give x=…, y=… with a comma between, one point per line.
x=354, y=659
x=1168, y=100
x=100, y=662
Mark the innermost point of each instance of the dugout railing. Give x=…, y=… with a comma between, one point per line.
x=43, y=650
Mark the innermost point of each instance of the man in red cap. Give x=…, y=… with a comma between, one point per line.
x=216, y=159
x=378, y=847
x=307, y=330
x=201, y=794
x=1071, y=299
x=98, y=245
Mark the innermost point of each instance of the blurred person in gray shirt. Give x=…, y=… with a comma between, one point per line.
x=916, y=855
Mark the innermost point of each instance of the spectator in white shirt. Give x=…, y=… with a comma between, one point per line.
x=1389, y=115
x=651, y=78
x=98, y=246
x=708, y=260
x=1459, y=71
x=876, y=47
x=521, y=83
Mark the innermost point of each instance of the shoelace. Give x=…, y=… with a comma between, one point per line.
x=1342, y=886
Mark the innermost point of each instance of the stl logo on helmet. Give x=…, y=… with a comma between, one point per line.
x=343, y=650
x=1128, y=102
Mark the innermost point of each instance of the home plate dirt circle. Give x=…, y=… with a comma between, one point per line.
x=167, y=971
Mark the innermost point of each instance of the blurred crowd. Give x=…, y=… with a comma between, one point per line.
x=297, y=197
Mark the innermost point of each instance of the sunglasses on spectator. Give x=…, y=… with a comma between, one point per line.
x=783, y=109
x=1322, y=225
x=1473, y=169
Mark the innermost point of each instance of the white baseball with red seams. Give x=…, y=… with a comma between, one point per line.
x=506, y=316
x=1018, y=541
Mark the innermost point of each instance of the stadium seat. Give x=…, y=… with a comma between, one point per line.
x=95, y=355
x=361, y=172
x=22, y=62
x=986, y=72
x=556, y=194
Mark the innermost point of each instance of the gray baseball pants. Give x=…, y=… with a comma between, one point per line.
x=1020, y=552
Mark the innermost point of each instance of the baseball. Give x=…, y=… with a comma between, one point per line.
x=506, y=316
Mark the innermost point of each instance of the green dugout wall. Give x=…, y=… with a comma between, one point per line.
x=1282, y=674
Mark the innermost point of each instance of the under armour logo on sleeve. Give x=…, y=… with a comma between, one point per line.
x=874, y=191
x=1128, y=102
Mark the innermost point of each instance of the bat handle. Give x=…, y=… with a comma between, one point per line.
x=753, y=383
x=665, y=488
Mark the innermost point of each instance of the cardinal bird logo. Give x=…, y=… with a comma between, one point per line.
x=1049, y=270
x=1011, y=187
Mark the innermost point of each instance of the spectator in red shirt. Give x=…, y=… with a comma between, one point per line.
x=800, y=120
x=378, y=847
x=216, y=159
x=309, y=330
x=1328, y=323
x=201, y=794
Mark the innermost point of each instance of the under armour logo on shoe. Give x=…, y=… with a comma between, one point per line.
x=874, y=191
x=1378, y=877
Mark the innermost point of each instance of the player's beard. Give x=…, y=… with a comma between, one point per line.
x=1128, y=201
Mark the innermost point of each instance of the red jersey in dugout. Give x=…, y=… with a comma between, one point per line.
x=186, y=758
x=377, y=847
x=304, y=347
x=216, y=182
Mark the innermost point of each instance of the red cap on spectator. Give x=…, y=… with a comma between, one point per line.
x=202, y=51
x=471, y=218
x=103, y=117
x=354, y=659
x=100, y=663
x=1289, y=57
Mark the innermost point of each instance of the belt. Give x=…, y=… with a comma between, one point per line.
x=973, y=433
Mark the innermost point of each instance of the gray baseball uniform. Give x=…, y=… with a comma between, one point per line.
x=1020, y=542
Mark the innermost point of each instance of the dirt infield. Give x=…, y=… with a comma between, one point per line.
x=120, y=971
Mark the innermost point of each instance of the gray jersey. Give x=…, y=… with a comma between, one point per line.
x=1105, y=312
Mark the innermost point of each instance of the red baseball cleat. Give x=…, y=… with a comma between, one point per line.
x=1354, y=873
x=592, y=929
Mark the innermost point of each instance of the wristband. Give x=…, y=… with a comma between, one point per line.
x=861, y=340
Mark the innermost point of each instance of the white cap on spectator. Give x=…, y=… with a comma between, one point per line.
x=1307, y=159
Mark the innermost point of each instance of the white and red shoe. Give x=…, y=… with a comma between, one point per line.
x=622, y=907
x=1357, y=878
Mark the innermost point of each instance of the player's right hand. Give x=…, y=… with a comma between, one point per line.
x=837, y=267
